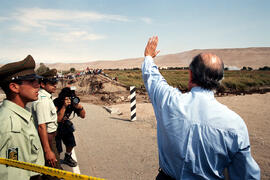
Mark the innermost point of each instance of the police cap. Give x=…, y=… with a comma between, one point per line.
x=50, y=76
x=21, y=70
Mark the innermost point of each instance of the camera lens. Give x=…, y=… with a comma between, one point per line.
x=75, y=100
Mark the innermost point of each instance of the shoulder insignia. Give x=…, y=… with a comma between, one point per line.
x=13, y=153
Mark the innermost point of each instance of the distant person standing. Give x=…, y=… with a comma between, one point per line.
x=197, y=136
x=19, y=138
x=44, y=113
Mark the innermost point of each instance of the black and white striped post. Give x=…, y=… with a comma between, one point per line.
x=133, y=103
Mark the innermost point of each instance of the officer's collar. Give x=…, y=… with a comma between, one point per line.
x=17, y=109
x=43, y=91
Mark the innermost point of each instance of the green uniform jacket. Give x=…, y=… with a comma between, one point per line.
x=19, y=140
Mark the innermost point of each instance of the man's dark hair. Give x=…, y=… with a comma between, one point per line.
x=66, y=92
x=205, y=75
x=5, y=88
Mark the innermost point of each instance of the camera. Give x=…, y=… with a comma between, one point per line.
x=74, y=100
x=70, y=93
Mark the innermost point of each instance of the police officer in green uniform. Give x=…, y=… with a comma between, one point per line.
x=44, y=113
x=19, y=138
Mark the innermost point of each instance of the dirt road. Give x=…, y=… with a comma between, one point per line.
x=112, y=147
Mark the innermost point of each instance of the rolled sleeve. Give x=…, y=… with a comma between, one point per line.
x=244, y=166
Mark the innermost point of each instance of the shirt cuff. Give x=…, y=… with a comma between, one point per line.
x=148, y=58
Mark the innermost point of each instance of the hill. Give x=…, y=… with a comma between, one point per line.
x=238, y=57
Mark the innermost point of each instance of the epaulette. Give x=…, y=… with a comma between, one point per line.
x=15, y=124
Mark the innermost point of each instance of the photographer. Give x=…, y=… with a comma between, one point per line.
x=66, y=104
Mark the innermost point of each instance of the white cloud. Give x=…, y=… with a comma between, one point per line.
x=3, y=18
x=37, y=17
x=61, y=25
x=147, y=20
x=76, y=35
x=20, y=28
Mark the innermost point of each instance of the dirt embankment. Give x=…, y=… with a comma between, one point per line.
x=100, y=90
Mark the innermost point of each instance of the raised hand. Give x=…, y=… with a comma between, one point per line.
x=150, y=49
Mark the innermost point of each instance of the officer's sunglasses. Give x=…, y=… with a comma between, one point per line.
x=52, y=81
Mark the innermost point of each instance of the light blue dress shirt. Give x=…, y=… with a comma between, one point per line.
x=197, y=136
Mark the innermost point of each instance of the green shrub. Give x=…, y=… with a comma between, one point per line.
x=233, y=80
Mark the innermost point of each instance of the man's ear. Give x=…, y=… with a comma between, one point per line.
x=190, y=84
x=190, y=75
x=42, y=85
x=14, y=87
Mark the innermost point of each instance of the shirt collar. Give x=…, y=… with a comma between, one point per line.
x=17, y=109
x=44, y=92
x=202, y=90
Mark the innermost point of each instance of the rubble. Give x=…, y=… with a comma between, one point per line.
x=113, y=110
x=97, y=89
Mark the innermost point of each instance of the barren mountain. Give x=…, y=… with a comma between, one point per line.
x=238, y=57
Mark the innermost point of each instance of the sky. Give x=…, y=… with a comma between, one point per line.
x=74, y=31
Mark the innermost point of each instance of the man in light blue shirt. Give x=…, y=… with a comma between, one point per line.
x=197, y=136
